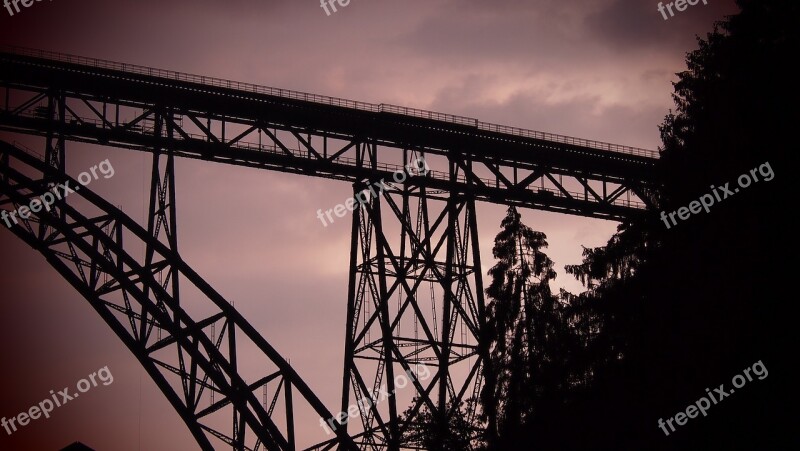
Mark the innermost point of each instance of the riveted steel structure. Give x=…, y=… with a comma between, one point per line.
x=415, y=295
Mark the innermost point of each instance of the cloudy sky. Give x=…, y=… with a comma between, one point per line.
x=597, y=69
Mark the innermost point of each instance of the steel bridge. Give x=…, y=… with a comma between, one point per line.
x=432, y=268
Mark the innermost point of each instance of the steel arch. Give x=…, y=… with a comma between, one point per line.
x=88, y=252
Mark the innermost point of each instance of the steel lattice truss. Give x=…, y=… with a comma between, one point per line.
x=415, y=294
x=413, y=301
x=235, y=123
x=190, y=358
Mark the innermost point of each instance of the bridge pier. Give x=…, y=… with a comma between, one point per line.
x=412, y=302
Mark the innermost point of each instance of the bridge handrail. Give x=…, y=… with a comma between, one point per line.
x=327, y=100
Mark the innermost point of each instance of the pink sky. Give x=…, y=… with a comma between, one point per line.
x=597, y=70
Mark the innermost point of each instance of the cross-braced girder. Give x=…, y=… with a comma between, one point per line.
x=260, y=127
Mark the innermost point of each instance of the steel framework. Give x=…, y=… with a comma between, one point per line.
x=138, y=297
x=433, y=272
x=415, y=294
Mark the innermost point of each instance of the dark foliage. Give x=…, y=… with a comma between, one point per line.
x=690, y=307
x=669, y=312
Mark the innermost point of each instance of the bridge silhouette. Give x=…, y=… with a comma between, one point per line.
x=415, y=293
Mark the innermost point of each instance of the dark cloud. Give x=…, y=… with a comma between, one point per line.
x=626, y=25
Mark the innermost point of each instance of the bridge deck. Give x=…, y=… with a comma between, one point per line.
x=333, y=101
x=466, y=142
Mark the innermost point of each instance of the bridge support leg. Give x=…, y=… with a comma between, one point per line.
x=56, y=113
x=414, y=314
x=55, y=148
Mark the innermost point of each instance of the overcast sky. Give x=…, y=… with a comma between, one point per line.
x=597, y=69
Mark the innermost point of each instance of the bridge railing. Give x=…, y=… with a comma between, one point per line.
x=599, y=145
x=327, y=100
x=425, y=114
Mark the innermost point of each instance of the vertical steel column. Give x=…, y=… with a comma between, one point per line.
x=55, y=149
x=56, y=113
x=161, y=214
